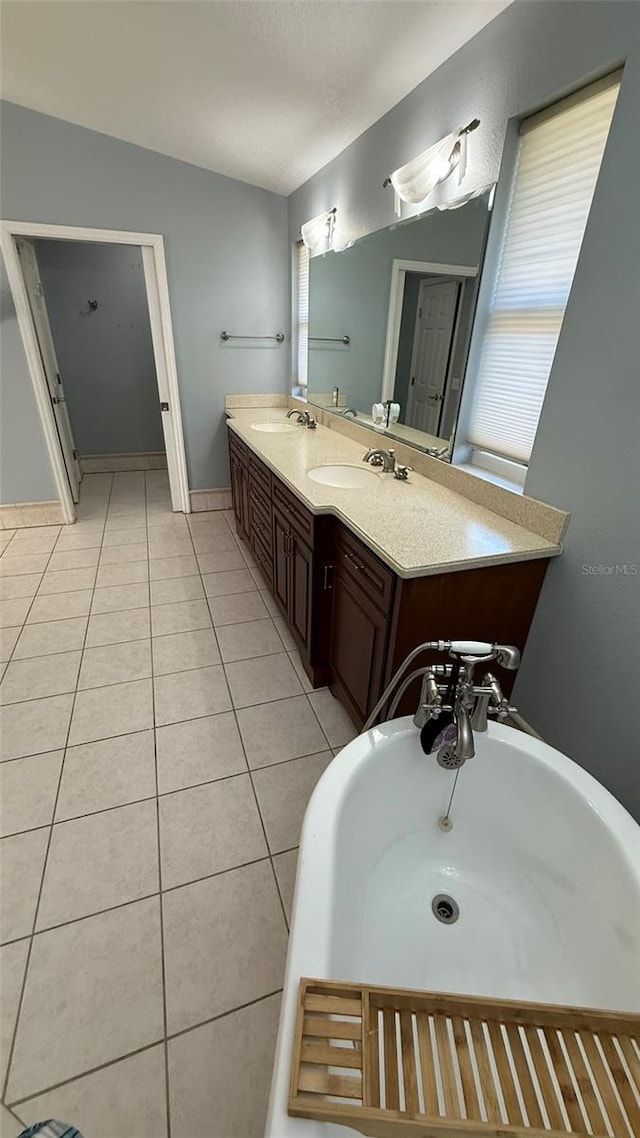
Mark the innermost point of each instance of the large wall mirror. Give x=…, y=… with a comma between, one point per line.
x=390, y=323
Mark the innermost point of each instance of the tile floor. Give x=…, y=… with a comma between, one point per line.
x=159, y=742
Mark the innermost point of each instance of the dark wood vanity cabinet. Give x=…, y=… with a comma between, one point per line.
x=362, y=594
x=301, y=583
x=291, y=547
x=353, y=620
x=240, y=490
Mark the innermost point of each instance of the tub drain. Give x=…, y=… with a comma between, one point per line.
x=445, y=909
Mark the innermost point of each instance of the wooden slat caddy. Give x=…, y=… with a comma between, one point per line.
x=391, y=1062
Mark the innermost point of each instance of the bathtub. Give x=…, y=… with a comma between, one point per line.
x=541, y=861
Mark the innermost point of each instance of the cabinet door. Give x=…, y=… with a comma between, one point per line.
x=358, y=642
x=246, y=497
x=300, y=580
x=281, y=542
x=236, y=489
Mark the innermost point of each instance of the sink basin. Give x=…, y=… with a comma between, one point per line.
x=344, y=476
x=278, y=428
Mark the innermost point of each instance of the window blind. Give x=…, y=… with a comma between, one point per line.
x=302, y=314
x=558, y=162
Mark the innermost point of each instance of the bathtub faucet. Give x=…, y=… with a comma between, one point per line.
x=469, y=704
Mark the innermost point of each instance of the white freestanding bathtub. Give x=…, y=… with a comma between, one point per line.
x=543, y=863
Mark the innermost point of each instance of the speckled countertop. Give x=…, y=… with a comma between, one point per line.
x=416, y=527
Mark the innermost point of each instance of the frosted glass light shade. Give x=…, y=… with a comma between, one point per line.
x=318, y=230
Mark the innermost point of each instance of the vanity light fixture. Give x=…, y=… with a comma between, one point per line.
x=414, y=181
x=318, y=230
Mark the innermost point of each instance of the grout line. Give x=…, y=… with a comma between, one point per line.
x=147, y=1047
x=159, y=855
x=144, y=897
x=160, y=793
x=253, y=788
x=44, y=864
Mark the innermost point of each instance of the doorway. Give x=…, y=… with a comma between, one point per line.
x=83, y=407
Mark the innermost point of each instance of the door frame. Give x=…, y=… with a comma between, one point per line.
x=399, y=270
x=157, y=286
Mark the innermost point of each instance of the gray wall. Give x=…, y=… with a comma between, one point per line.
x=105, y=356
x=582, y=658
x=349, y=293
x=227, y=262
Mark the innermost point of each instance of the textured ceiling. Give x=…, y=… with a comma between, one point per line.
x=267, y=91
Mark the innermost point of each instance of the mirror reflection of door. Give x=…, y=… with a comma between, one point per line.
x=438, y=301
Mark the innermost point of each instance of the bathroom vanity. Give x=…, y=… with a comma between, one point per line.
x=364, y=575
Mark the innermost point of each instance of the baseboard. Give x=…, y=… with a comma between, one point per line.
x=20, y=515
x=210, y=500
x=116, y=463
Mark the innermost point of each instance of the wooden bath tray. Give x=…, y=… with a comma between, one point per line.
x=391, y=1062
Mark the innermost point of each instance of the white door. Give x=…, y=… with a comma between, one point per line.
x=31, y=274
x=435, y=320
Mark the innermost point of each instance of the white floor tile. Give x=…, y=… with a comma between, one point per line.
x=283, y=793
x=185, y=616
x=98, y=862
x=112, y=772
x=184, y=650
x=118, y=709
x=118, y=627
x=188, y=695
x=116, y=598
x=208, y=829
x=115, y=663
x=334, y=720
x=52, y=636
x=198, y=750
x=248, y=640
x=225, y=944
x=124, y=1100
x=40, y=676
x=36, y=726
x=67, y=580
x=262, y=680
x=13, y=961
x=21, y=865
x=28, y=792
x=174, y=589
x=285, y=729
x=97, y=984
x=60, y=606
x=220, y=1074
x=26, y=585
x=286, y=866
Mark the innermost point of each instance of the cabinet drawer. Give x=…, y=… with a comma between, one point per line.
x=260, y=475
x=299, y=518
x=238, y=448
x=358, y=562
x=261, y=525
x=263, y=556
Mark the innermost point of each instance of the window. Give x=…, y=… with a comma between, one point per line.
x=559, y=158
x=301, y=361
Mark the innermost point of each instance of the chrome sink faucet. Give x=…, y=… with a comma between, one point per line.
x=303, y=417
x=387, y=460
x=384, y=458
